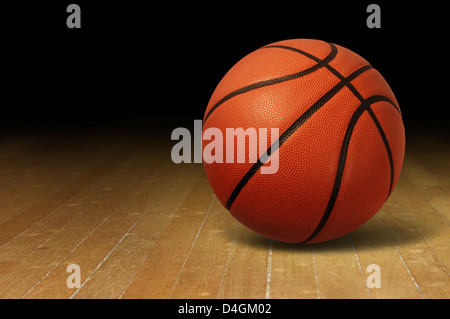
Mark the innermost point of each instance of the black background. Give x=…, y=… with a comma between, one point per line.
x=159, y=63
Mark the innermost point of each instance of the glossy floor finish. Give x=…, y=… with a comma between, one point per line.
x=139, y=226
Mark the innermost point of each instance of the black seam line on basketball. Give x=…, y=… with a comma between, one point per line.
x=358, y=95
x=308, y=55
x=290, y=130
x=386, y=145
x=329, y=67
x=364, y=106
x=257, y=85
x=339, y=75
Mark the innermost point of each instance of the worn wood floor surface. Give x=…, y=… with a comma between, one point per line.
x=139, y=226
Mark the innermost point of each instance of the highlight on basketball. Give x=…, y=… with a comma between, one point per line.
x=223, y=159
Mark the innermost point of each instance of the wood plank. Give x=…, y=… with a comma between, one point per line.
x=212, y=248
x=374, y=245
x=159, y=272
x=339, y=274
x=20, y=222
x=246, y=271
x=293, y=272
x=144, y=231
x=55, y=221
x=422, y=237
x=27, y=156
x=436, y=195
x=112, y=254
x=433, y=156
x=107, y=194
x=29, y=180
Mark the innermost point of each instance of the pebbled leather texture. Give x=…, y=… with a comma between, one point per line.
x=296, y=203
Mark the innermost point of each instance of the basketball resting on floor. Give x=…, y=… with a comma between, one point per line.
x=341, y=143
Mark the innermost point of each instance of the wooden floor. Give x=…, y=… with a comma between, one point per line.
x=140, y=226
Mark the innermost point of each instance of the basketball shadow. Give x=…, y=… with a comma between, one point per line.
x=374, y=235
x=259, y=242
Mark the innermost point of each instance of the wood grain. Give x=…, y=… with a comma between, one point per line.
x=140, y=226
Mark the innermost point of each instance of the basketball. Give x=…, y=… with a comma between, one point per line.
x=331, y=122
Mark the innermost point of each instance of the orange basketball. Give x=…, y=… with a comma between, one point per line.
x=340, y=147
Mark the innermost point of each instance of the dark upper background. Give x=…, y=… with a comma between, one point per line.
x=161, y=62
